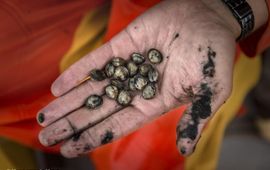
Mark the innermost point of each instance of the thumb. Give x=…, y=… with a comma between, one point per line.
x=196, y=116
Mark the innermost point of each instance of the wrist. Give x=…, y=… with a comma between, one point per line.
x=259, y=8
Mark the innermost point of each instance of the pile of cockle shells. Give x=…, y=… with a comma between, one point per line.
x=127, y=78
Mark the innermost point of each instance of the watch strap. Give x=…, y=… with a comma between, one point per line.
x=244, y=15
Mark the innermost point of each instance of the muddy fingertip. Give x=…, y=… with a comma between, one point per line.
x=40, y=118
x=185, y=150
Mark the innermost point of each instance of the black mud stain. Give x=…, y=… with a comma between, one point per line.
x=209, y=66
x=107, y=137
x=76, y=137
x=189, y=91
x=86, y=147
x=41, y=118
x=201, y=102
x=174, y=38
x=211, y=52
x=190, y=132
x=183, y=150
x=201, y=109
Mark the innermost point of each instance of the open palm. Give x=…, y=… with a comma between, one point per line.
x=196, y=71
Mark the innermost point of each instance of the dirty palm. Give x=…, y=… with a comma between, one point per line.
x=198, y=53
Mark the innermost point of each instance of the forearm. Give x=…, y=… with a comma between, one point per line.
x=259, y=8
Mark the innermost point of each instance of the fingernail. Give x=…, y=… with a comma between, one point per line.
x=41, y=117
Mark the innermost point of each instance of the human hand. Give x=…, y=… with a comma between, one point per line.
x=198, y=48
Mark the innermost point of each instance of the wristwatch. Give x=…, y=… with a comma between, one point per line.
x=243, y=14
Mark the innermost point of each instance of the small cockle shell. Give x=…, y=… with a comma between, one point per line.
x=124, y=98
x=118, y=61
x=121, y=73
x=149, y=91
x=93, y=101
x=154, y=56
x=131, y=84
x=144, y=69
x=140, y=82
x=109, y=70
x=97, y=75
x=132, y=68
x=153, y=75
x=137, y=58
x=127, y=78
x=111, y=91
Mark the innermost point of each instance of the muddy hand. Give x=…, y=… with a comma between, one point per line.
x=198, y=54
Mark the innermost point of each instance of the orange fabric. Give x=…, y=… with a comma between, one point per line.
x=34, y=36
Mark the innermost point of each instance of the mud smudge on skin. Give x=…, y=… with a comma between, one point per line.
x=183, y=150
x=76, y=137
x=209, y=66
x=211, y=52
x=107, y=137
x=41, y=117
x=201, y=102
x=86, y=148
x=201, y=109
x=189, y=91
x=174, y=38
x=202, y=106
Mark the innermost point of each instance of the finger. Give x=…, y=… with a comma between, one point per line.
x=96, y=59
x=76, y=122
x=196, y=116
